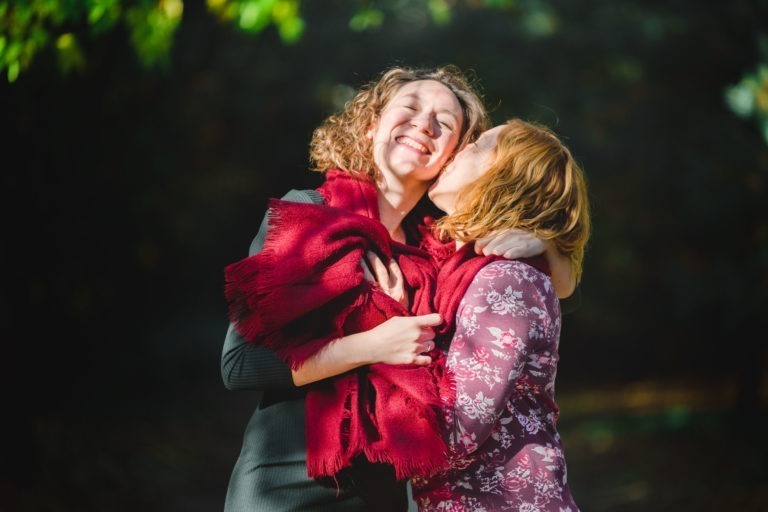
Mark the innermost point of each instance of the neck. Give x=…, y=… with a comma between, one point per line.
x=395, y=202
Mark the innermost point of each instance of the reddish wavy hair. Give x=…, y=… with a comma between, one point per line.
x=533, y=184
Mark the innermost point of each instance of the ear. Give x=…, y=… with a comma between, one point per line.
x=371, y=127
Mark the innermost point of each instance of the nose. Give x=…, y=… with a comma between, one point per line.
x=424, y=122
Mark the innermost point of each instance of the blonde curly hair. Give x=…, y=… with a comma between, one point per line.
x=533, y=184
x=340, y=142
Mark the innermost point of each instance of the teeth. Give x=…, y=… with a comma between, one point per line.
x=413, y=144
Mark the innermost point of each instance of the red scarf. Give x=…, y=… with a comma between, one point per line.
x=305, y=289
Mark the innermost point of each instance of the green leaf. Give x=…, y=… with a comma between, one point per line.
x=740, y=100
x=96, y=13
x=284, y=10
x=13, y=71
x=366, y=19
x=69, y=53
x=291, y=29
x=254, y=15
x=440, y=11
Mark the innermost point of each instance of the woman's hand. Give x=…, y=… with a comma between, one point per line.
x=511, y=244
x=401, y=340
x=388, y=276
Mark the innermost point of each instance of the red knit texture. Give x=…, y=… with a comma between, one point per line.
x=305, y=289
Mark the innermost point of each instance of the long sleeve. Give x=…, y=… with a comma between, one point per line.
x=504, y=449
x=503, y=320
x=248, y=366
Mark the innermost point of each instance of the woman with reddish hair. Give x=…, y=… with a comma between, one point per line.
x=504, y=322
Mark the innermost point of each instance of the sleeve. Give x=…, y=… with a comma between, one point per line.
x=498, y=324
x=248, y=366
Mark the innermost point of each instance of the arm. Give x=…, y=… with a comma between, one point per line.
x=399, y=340
x=563, y=278
x=248, y=366
x=498, y=325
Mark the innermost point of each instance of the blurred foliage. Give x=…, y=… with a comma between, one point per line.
x=255, y=15
x=749, y=98
x=28, y=27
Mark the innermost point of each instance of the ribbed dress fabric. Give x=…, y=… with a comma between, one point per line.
x=270, y=473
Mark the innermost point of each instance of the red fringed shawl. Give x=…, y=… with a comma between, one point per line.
x=305, y=289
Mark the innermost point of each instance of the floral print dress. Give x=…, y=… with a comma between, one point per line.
x=505, y=450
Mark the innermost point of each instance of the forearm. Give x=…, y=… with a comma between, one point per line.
x=245, y=365
x=563, y=277
x=399, y=340
x=337, y=357
x=492, y=347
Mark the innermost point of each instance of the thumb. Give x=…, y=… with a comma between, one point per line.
x=429, y=320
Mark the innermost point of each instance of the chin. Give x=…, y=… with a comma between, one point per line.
x=438, y=201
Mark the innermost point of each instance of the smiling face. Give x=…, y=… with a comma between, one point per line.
x=469, y=164
x=416, y=132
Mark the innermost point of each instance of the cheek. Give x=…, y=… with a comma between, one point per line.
x=465, y=174
x=449, y=146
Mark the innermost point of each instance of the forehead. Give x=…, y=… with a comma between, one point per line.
x=430, y=91
x=490, y=138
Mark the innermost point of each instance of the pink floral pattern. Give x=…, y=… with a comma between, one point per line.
x=504, y=447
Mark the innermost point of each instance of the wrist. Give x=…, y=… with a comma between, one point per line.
x=354, y=349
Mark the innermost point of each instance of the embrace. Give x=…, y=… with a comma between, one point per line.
x=401, y=323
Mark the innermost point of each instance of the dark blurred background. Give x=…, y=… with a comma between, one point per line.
x=127, y=189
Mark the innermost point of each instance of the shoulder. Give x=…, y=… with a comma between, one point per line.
x=513, y=286
x=308, y=196
x=303, y=196
x=514, y=273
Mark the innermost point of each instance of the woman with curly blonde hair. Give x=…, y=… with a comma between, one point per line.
x=324, y=346
x=505, y=322
x=337, y=143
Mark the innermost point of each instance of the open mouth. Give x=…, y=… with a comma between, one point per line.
x=407, y=141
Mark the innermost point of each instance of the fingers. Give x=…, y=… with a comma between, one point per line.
x=505, y=240
x=429, y=320
x=511, y=244
x=379, y=269
x=426, y=334
x=481, y=243
x=367, y=272
x=394, y=271
x=513, y=253
x=498, y=241
x=422, y=360
x=527, y=249
x=398, y=283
